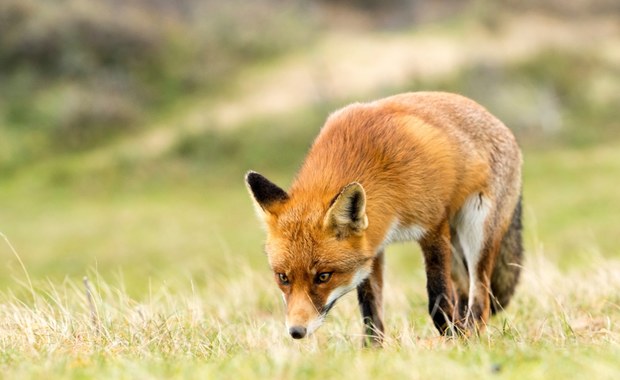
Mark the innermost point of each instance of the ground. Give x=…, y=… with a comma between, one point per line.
x=177, y=285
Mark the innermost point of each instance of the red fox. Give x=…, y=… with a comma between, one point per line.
x=432, y=167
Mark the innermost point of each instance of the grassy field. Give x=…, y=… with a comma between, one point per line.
x=128, y=259
x=180, y=288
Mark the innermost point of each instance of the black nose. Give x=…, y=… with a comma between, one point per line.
x=297, y=332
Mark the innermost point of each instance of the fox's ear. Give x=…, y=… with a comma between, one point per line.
x=265, y=193
x=347, y=212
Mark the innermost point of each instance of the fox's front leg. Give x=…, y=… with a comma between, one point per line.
x=370, y=297
x=441, y=296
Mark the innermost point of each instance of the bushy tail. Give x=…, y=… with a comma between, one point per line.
x=508, y=266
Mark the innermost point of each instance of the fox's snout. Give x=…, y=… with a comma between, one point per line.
x=301, y=323
x=297, y=332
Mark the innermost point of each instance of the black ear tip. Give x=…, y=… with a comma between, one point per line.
x=264, y=190
x=252, y=178
x=249, y=175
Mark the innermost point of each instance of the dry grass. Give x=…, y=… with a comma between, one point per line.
x=177, y=287
x=181, y=290
x=558, y=324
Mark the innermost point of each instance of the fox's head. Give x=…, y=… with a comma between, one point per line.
x=316, y=247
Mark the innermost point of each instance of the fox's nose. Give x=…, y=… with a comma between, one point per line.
x=297, y=332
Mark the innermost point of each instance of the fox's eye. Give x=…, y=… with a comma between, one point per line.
x=323, y=277
x=283, y=279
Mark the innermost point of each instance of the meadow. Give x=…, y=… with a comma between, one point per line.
x=180, y=287
x=126, y=261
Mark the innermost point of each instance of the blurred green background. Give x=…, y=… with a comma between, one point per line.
x=126, y=126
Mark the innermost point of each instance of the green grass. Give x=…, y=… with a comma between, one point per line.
x=571, y=195
x=181, y=288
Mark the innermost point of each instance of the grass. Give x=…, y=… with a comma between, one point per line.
x=182, y=290
x=571, y=194
x=558, y=326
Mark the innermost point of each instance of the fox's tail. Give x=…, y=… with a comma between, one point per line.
x=508, y=266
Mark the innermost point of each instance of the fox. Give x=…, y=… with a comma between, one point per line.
x=431, y=167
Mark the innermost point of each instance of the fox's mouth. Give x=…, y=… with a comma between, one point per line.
x=325, y=309
x=299, y=332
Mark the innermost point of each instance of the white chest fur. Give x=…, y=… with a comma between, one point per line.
x=398, y=233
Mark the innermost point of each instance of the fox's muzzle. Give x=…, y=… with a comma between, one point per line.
x=301, y=328
x=297, y=332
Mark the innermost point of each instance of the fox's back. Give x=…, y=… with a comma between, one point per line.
x=414, y=153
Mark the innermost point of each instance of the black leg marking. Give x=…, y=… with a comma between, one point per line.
x=370, y=298
x=437, y=262
x=373, y=325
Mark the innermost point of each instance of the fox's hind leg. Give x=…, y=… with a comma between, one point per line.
x=479, y=308
x=460, y=276
x=370, y=297
x=441, y=295
x=479, y=251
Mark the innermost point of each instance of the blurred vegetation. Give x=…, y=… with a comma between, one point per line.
x=76, y=72
x=168, y=236
x=568, y=8
x=552, y=99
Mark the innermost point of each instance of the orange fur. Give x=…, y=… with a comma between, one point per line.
x=409, y=161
